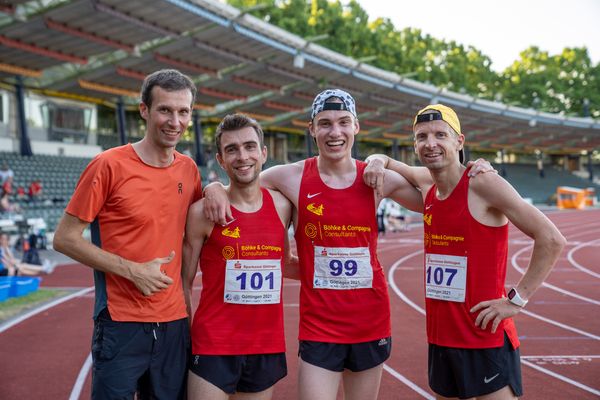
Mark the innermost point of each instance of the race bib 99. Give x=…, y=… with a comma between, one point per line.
x=342, y=268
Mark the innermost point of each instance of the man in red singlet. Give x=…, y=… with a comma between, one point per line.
x=344, y=305
x=238, y=343
x=473, y=343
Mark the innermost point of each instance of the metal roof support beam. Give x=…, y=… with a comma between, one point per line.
x=23, y=12
x=289, y=115
x=309, y=140
x=106, y=89
x=86, y=35
x=25, y=144
x=220, y=94
x=198, y=134
x=66, y=74
x=223, y=53
x=185, y=65
x=231, y=105
x=225, y=107
x=16, y=44
x=14, y=69
x=121, y=121
x=590, y=166
x=128, y=73
x=394, y=126
x=136, y=21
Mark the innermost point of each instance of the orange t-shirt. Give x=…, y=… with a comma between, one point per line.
x=140, y=213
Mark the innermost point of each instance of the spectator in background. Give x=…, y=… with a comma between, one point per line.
x=6, y=206
x=12, y=266
x=5, y=173
x=21, y=193
x=395, y=218
x=7, y=186
x=35, y=190
x=212, y=176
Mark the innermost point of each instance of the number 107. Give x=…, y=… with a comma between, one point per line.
x=440, y=274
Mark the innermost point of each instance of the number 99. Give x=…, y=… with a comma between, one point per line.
x=336, y=267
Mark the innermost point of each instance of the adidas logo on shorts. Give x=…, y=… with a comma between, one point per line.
x=382, y=342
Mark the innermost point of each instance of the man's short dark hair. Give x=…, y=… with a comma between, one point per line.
x=170, y=80
x=234, y=122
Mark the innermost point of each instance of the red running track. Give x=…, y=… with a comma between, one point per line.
x=46, y=355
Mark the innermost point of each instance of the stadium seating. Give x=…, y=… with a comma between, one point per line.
x=526, y=180
x=59, y=176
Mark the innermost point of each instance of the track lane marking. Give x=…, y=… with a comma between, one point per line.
x=45, y=307
x=515, y=265
x=399, y=293
x=561, y=377
x=576, y=264
x=81, y=377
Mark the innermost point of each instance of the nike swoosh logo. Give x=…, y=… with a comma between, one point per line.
x=428, y=206
x=310, y=196
x=488, y=380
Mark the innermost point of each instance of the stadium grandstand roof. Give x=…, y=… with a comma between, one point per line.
x=100, y=50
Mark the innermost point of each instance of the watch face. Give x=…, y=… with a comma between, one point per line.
x=512, y=293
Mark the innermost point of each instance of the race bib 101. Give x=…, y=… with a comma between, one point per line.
x=252, y=282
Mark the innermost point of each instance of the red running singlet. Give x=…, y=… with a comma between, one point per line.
x=241, y=309
x=465, y=263
x=343, y=296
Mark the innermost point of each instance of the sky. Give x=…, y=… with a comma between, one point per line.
x=500, y=29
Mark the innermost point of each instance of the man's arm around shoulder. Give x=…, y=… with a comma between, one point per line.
x=291, y=267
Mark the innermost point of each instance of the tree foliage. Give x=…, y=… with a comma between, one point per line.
x=553, y=83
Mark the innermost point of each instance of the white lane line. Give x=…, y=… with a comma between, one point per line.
x=393, y=285
x=515, y=265
x=386, y=367
x=78, y=387
x=576, y=264
x=36, y=311
x=407, y=382
x=559, y=357
x=560, y=324
x=561, y=377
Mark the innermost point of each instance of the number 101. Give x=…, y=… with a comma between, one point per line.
x=256, y=280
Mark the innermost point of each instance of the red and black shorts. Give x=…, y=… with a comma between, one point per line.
x=250, y=373
x=355, y=357
x=466, y=373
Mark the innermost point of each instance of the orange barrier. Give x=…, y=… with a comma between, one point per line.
x=590, y=197
x=570, y=197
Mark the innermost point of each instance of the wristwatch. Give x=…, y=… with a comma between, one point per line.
x=515, y=298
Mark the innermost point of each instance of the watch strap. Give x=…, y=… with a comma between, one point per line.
x=515, y=298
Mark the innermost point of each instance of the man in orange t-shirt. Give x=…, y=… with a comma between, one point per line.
x=136, y=199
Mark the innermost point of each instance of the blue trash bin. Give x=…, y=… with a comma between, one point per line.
x=23, y=285
x=5, y=284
